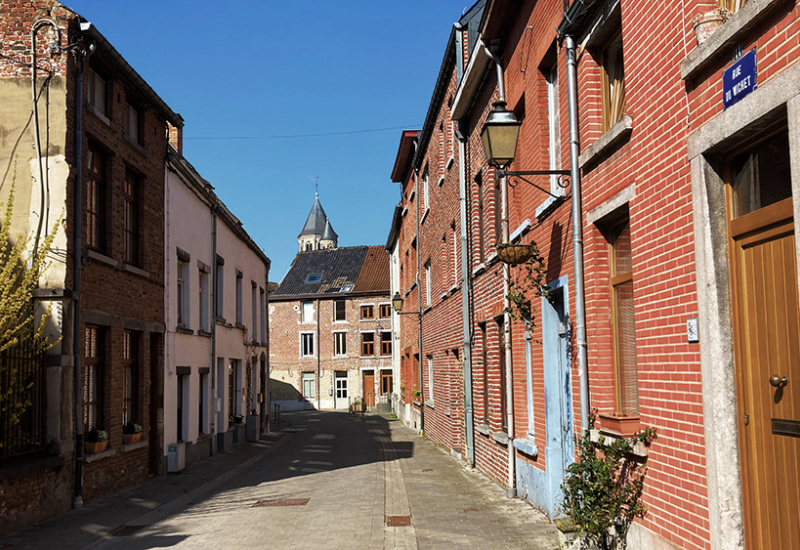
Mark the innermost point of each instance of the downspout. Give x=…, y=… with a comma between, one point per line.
x=511, y=489
x=265, y=381
x=80, y=56
x=213, y=326
x=577, y=230
x=419, y=316
x=466, y=295
x=319, y=366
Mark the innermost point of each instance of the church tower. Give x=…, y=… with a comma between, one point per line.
x=317, y=234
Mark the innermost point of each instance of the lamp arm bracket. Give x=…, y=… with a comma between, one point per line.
x=562, y=175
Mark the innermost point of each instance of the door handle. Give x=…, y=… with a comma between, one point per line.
x=778, y=381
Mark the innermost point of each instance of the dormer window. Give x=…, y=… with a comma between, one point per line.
x=313, y=278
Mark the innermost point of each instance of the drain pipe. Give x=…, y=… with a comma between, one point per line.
x=577, y=229
x=466, y=294
x=419, y=315
x=80, y=57
x=213, y=329
x=511, y=489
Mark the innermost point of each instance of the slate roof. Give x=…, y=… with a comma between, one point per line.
x=338, y=267
x=374, y=274
x=317, y=220
x=329, y=233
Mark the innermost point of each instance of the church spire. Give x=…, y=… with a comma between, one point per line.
x=317, y=233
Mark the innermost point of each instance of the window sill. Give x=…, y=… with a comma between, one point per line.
x=430, y=404
x=482, y=429
x=100, y=116
x=102, y=258
x=137, y=146
x=501, y=438
x=613, y=137
x=184, y=330
x=221, y=321
x=425, y=215
x=240, y=326
x=549, y=205
x=88, y=458
x=449, y=163
x=527, y=447
x=440, y=182
x=128, y=268
x=639, y=448
x=204, y=334
x=453, y=289
x=143, y=444
x=728, y=35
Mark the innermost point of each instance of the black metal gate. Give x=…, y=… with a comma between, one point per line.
x=22, y=402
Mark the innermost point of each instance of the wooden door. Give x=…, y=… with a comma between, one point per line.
x=767, y=346
x=369, y=388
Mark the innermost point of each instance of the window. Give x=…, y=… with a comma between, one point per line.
x=385, y=310
x=254, y=311
x=93, y=378
x=340, y=344
x=368, y=312
x=182, y=416
x=202, y=405
x=481, y=232
x=732, y=5
x=760, y=176
x=485, y=372
x=627, y=387
x=262, y=311
x=428, y=283
x=426, y=190
x=97, y=93
x=133, y=120
x=307, y=312
x=309, y=385
x=220, y=288
x=456, y=242
x=239, y=298
x=613, y=81
x=95, y=200
x=313, y=278
x=130, y=356
x=130, y=195
x=430, y=378
x=307, y=344
x=386, y=342
x=183, y=293
x=367, y=343
x=339, y=310
x=202, y=286
x=553, y=125
x=340, y=378
x=498, y=210
x=501, y=352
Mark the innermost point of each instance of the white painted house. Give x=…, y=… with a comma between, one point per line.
x=216, y=324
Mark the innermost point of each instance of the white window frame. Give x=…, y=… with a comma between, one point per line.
x=308, y=377
x=341, y=384
x=306, y=312
x=426, y=190
x=310, y=336
x=428, y=293
x=339, y=337
x=262, y=311
x=430, y=378
x=239, y=305
x=183, y=293
x=202, y=283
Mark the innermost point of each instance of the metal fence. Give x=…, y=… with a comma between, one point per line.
x=22, y=402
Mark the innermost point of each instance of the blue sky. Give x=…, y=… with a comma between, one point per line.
x=262, y=69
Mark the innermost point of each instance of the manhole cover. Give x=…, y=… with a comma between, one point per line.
x=125, y=530
x=398, y=521
x=281, y=502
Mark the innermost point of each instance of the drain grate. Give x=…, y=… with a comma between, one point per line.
x=125, y=530
x=427, y=470
x=281, y=502
x=398, y=521
x=471, y=510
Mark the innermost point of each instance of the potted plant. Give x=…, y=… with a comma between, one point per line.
x=526, y=284
x=96, y=441
x=619, y=423
x=602, y=490
x=238, y=419
x=704, y=24
x=131, y=433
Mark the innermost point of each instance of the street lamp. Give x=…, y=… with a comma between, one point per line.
x=397, y=302
x=499, y=137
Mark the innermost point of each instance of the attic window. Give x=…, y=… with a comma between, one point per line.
x=313, y=278
x=346, y=288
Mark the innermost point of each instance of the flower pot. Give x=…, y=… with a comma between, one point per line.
x=94, y=447
x=619, y=424
x=129, y=439
x=514, y=254
x=705, y=24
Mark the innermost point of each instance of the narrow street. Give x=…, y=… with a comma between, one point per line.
x=333, y=481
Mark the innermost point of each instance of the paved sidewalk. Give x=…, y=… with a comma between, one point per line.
x=335, y=481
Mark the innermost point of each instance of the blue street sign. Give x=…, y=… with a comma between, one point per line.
x=739, y=79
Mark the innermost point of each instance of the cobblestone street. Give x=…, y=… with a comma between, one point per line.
x=333, y=481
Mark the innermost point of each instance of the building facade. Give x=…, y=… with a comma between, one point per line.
x=216, y=329
x=331, y=326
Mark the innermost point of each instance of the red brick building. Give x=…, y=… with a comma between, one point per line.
x=330, y=325
x=104, y=150
x=687, y=225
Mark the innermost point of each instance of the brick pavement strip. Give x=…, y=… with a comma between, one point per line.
x=345, y=476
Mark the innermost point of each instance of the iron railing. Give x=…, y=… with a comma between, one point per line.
x=22, y=402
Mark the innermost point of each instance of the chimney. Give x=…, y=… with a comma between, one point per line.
x=175, y=136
